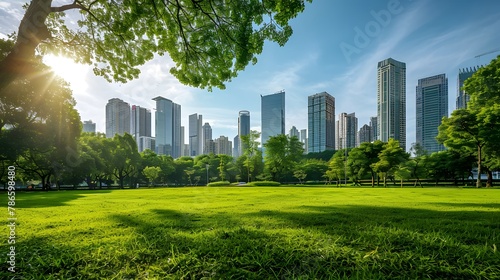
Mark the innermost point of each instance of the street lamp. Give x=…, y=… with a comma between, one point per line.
x=207, y=166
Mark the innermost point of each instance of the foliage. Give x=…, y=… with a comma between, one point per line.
x=152, y=173
x=264, y=183
x=209, y=41
x=251, y=159
x=362, y=158
x=219, y=184
x=282, y=153
x=337, y=167
x=390, y=158
x=124, y=158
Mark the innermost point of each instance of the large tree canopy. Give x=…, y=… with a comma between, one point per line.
x=209, y=40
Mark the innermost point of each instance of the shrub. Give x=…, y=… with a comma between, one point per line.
x=264, y=183
x=219, y=184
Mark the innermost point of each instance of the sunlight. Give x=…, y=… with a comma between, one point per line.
x=67, y=69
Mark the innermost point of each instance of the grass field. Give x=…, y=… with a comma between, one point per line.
x=257, y=233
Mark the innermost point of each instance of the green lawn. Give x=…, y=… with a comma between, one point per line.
x=257, y=233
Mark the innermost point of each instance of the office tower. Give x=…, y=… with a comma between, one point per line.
x=117, y=117
x=272, y=115
x=303, y=139
x=374, y=129
x=207, y=137
x=183, y=143
x=462, y=97
x=347, y=130
x=209, y=147
x=223, y=146
x=167, y=127
x=294, y=132
x=391, y=101
x=364, y=135
x=146, y=142
x=195, y=135
x=243, y=128
x=141, y=124
x=321, y=122
x=236, y=147
x=88, y=126
x=432, y=106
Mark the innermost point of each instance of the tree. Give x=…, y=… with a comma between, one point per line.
x=125, y=159
x=362, y=158
x=415, y=165
x=402, y=172
x=314, y=169
x=389, y=159
x=252, y=156
x=281, y=154
x=151, y=172
x=209, y=41
x=337, y=166
x=300, y=174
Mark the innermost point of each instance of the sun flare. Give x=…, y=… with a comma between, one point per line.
x=67, y=69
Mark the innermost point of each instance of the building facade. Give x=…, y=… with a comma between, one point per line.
x=195, y=135
x=364, y=135
x=462, y=97
x=321, y=122
x=272, y=115
x=140, y=123
x=88, y=126
x=431, y=107
x=374, y=129
x=223, y=146
x=243, y=128
x=167, y=127
x=391, y=101
x=346, y=131
x=207, y=138
x=117, y=117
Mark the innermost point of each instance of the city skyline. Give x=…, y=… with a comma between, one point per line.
x=335, y=48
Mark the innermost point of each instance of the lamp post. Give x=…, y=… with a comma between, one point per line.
x=207, y=166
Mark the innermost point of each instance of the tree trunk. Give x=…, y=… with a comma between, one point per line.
x=32, y=31
x=489, y=183
x=478, y=180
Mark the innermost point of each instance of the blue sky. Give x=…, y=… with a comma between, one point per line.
x=327, y=52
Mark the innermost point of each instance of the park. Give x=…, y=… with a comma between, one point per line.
x=243, y=232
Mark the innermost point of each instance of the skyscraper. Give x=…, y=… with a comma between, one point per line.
x=236, y=146
x=321, y=122
x=374, y=129
x=195, y=135
x=303, y=139
x=167, y=127
x=223, y=146
x=294, y=132
x=431, y=107
x=272, y=115
x=347, y=130
x=463, y=74
x=88, y=126
x=207, y=137
x=140, y=125
x=243, y=128
x=364, y=135
x=117, y=117
x=391, y=101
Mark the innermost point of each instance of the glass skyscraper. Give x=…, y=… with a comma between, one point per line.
x=167, y=127
x=391, y=101
x=243, y=128
x=347, y=130
x=321, y=122
x=140, y=125
x=272, y=115
x=432, y=106
x=463, y=74
x=195, y=135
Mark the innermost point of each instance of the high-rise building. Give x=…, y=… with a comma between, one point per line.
x=146, y=142
x=321, y=122
x=364, y=135
x=195, y=135
x=464, y=74
x=303, y=139
x=431, y=107
x=88, y=126
x=117, y=117
x=243, y=128
x=207, y=137
x=294, y=132
x=272, y=115
x=391, y=101
x=347, y=130
x=374, y=129
x=236, y=147
x=167, y=127
x=223, y=146
x=141, y=123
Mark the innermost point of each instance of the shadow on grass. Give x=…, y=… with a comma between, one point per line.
x=47, y=199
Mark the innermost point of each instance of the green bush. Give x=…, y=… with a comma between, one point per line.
x=219, y=184
x=264, y=183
